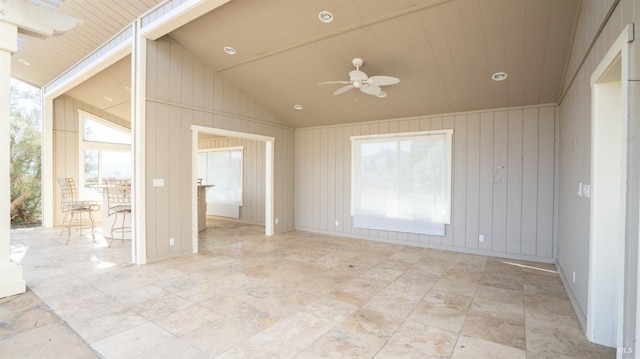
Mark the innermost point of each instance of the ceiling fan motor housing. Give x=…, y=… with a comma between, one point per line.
x=359, y=80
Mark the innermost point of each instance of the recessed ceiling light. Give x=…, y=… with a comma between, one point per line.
x=108, y=98
x=499, y=76
x=24, y=62
x=298, y=107
x=229, y=50
x=325, y=16
x=382, y=94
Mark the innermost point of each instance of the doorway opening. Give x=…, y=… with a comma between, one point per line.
x=605, y=310
x=268, y=168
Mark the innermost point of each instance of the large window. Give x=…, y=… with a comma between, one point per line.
x=222, y=168
x=105, y=153
x=402, y=182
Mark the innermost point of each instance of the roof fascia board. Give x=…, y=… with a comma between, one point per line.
x=114, y=49
x=155, y=25
x=97, y=65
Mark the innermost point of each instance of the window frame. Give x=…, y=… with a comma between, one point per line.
x=229, y=149
x=357, y=141
x=84, y=145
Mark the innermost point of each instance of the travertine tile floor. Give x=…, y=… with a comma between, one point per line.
x=296, y=295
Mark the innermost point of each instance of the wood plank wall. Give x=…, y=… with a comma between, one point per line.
x=253, y=179
x=181, y=92
x=575, y=154
x=503, y=176
x=66, y=154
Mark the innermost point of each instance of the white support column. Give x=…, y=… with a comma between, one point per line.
x=47, y=161
x=34, y=20
x=269, y=216
x=11, y=278
x=138, y=125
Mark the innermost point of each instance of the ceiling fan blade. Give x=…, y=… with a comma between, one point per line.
x=371, y=89
x=334, y=82
x=382, y=80
x=343, y=89
x=357, y=75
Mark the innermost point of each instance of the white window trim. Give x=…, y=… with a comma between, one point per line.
x=232, y=148
x=82, y=114
x=95, y=145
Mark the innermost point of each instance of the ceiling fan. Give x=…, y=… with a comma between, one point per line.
x=360, y=80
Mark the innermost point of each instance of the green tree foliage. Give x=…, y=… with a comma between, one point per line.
x=26, y=139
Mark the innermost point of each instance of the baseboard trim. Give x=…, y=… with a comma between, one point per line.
x=432, y=246
x=582, y=317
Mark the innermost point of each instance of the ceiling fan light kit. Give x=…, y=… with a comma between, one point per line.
x=360, y=80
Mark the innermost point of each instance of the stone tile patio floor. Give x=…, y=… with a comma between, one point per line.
x=295, y=295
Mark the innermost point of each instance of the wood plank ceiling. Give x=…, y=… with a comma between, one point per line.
x=48, y=58
x=443, y=51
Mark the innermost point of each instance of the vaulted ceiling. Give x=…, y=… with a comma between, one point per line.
x=443, y=51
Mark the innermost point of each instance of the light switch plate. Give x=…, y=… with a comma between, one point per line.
x=158, y=182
